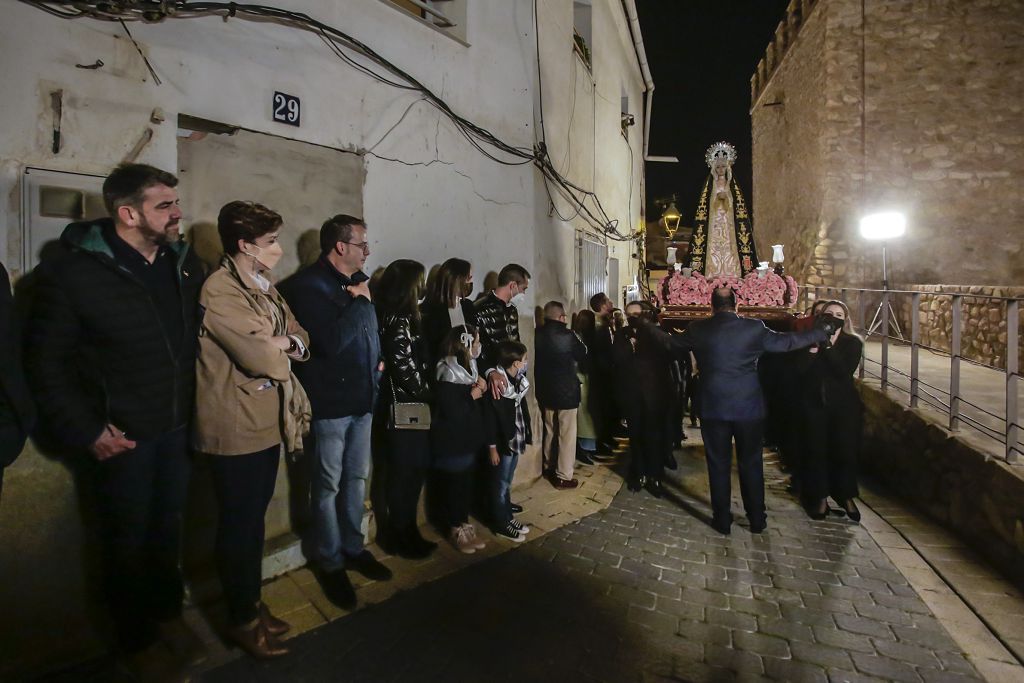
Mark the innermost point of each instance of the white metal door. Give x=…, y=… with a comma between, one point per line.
x=52, y=199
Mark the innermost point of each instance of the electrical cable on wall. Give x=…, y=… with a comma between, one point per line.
x=487, y=143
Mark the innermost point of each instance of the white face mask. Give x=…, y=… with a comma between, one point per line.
x=518, y=299
x=475, y=351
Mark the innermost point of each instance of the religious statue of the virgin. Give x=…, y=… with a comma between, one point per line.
x=722, y=242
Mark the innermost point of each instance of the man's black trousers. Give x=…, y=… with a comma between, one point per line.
x=140, y=496
x=718, y=438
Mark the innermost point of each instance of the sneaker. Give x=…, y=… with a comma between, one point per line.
x=511, y=533
x=519, y=526
x=338, y=589
x=369, y=566
x=516, y=508
x=460, y=538
x=477, y=543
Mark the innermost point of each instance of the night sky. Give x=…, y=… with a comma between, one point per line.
x=702, y=54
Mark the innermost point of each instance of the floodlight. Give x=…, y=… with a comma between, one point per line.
x=883, y=226
x=886, y=225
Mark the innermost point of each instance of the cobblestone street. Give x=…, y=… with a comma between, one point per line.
x=645, y=591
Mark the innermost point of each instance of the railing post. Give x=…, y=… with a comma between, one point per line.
x=861, y=312
x=842, y=296
x=954, y=366
x=885, y=339
x=1012, y=377
x=915, y=341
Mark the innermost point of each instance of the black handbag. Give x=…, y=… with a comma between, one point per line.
x=407, y=415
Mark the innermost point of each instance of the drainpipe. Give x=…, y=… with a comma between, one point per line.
x=629, y=7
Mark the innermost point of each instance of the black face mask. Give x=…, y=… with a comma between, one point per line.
x=467, y=289
x=634, y=320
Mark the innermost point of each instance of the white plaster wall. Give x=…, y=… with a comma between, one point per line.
x=584, y=139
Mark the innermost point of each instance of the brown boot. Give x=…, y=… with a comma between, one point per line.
x=274, y=626
x=254, y=639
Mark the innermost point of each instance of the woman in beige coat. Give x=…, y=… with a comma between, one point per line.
x=247, y=404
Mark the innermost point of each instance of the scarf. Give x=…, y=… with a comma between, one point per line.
x=450, y=370
x=515, y=391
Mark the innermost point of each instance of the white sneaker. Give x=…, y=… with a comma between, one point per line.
x=519, y=526
x=511, y=533
x=474, y=539
x=461, y=540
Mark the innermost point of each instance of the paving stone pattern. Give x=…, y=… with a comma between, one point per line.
x=646, y=591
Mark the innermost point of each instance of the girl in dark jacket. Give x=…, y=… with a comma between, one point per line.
x=832, y=419
x=456, y=432
x=405, y=380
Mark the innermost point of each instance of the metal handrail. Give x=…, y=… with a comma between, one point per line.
x=1010, y=435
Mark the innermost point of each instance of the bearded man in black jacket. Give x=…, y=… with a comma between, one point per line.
x=111, y=359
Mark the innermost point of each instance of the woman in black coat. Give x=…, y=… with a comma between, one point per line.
x=447, y=303
x=407, y=368
x=831, y=416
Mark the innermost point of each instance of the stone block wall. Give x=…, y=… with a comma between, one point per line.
x=788, y=153
x=983, y=330
x=929, y=122
x=972, y=494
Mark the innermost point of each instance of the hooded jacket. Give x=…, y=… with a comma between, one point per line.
x=98, y=352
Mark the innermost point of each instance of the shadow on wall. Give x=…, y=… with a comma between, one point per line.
x=205, y=241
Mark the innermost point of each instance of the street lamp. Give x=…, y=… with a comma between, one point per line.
x=670, y=218
x=882, y=227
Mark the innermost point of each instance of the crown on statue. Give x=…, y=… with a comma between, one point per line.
x=720, y=151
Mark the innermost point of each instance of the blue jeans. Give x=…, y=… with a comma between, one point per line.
x=501, y=490
x=341, y=468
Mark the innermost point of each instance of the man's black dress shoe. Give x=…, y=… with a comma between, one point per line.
x=654, y=488
x=516, y=508
x=721, y=526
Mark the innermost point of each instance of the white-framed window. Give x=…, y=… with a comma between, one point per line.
x=583, y=31
x=446, y=16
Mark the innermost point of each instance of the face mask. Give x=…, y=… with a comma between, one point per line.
x=475, y=352
x=518, y=299
x=467, y=289
x=633, y=321
x=522, y=370
x=268, y=256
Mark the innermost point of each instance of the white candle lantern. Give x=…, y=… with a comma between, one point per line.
x=777, y=255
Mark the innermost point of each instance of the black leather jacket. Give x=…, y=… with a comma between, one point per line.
x=406, y=361
x=497, y=322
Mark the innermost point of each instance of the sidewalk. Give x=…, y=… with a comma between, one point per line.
x=297, y=598
x=642, y=589
x=982, y=386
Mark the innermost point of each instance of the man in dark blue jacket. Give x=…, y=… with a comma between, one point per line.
x=331, y=300
x=727, y=348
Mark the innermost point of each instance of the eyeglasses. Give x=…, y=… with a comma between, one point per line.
x=365, y=246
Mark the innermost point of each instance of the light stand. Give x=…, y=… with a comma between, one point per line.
x=884, y=226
